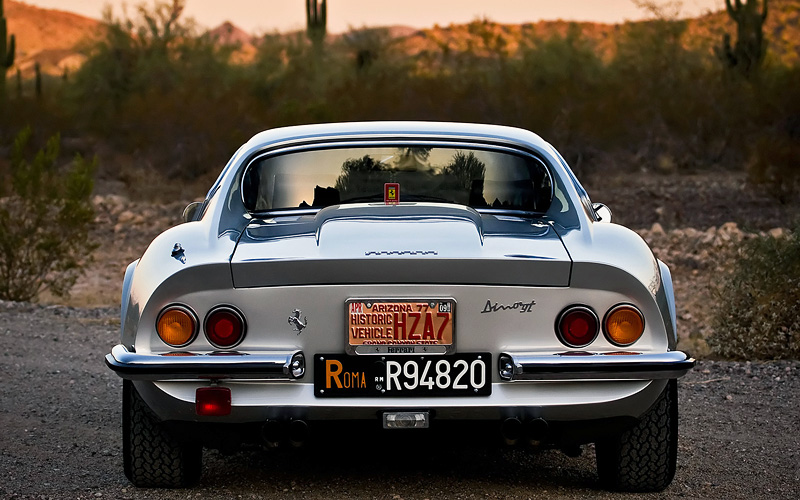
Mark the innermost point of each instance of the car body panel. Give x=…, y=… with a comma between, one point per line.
x=509, y=274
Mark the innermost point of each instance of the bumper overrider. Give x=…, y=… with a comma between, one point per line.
x=289, y=365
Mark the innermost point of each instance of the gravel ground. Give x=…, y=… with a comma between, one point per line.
x=60, y=438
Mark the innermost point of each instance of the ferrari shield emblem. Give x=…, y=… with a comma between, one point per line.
x=391, y=193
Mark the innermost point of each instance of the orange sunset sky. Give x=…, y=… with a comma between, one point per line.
x=258, y=16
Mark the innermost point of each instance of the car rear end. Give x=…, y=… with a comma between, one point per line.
x=418, y=284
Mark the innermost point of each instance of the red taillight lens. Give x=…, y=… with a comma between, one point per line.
x=224, y=327
x=213, y=401
x=577, y=326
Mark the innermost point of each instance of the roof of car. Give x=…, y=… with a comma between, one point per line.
x=397, y=129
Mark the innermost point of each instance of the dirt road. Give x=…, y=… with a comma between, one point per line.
x=60, y=435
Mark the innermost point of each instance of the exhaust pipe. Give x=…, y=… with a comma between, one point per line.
x=298, y=433
x=536, y=431
x=511, y=430
x=271, y=433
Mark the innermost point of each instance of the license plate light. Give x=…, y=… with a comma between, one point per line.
x=406, y=420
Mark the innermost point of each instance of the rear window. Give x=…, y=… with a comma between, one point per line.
x=479, y=178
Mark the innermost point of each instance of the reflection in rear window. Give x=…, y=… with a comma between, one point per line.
x=474, y=177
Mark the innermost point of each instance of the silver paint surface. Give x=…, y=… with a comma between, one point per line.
x=315, y=260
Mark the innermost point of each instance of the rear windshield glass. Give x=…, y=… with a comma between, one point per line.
x=479, y=178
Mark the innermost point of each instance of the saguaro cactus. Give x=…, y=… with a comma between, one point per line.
x=748, y=52
x=7, y=50
x=37, y=69
x=316, y=21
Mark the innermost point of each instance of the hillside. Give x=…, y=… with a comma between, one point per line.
x=782, y=31
x=47, y=36
x=53, y=37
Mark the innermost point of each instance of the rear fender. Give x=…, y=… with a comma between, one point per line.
x=668, y=310
x=126, y=294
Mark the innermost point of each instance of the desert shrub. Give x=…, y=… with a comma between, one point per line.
x=170, y=101
x=774, y=152
x=775, y=165
x=756, y=308
x=154, y=85
x=45, y=219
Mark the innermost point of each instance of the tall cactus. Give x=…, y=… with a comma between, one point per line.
x=748, y=52
x=37, y=69
x=316, y=22
x=7, y=50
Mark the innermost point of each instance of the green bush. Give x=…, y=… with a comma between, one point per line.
x=756, y=313
x=45, y=219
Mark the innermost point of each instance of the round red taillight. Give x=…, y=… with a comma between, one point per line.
x=224, y=327
x=577, y=326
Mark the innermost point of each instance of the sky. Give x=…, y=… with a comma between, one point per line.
x=262, y=16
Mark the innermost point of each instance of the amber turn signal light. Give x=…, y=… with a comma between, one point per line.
x=624, y=325
x=176, y=326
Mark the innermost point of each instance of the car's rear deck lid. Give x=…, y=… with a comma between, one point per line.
x=415, y=243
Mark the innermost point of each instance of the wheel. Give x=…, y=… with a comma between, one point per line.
x=643, y=458
x=152, y=457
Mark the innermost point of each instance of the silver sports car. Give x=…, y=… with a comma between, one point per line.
x=405, y=275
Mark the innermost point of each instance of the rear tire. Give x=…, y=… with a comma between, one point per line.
x=644, y=457
x=152, y=457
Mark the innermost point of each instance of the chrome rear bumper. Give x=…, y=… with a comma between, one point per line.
x=184, y=366
x=595, y=366
x=519, y=366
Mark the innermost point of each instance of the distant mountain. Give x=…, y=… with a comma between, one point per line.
x=229, y=34
x=782, y=32
x=48, y=36
x=54, y=37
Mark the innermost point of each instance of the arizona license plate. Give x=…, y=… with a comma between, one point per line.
x=422, y=326
x=462, y=374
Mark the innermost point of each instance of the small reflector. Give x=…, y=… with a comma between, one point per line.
x=213, y=401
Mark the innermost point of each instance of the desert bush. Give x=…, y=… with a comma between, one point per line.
x=755, y=315
x=154, y=85
x=45, y=219
x=775, y=165
x=174, y=103
x=774, y=159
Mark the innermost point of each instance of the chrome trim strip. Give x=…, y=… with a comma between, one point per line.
x=263, y=366
x=598, y=366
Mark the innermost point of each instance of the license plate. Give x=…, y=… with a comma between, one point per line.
x=420, y=326
x=462, y=374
